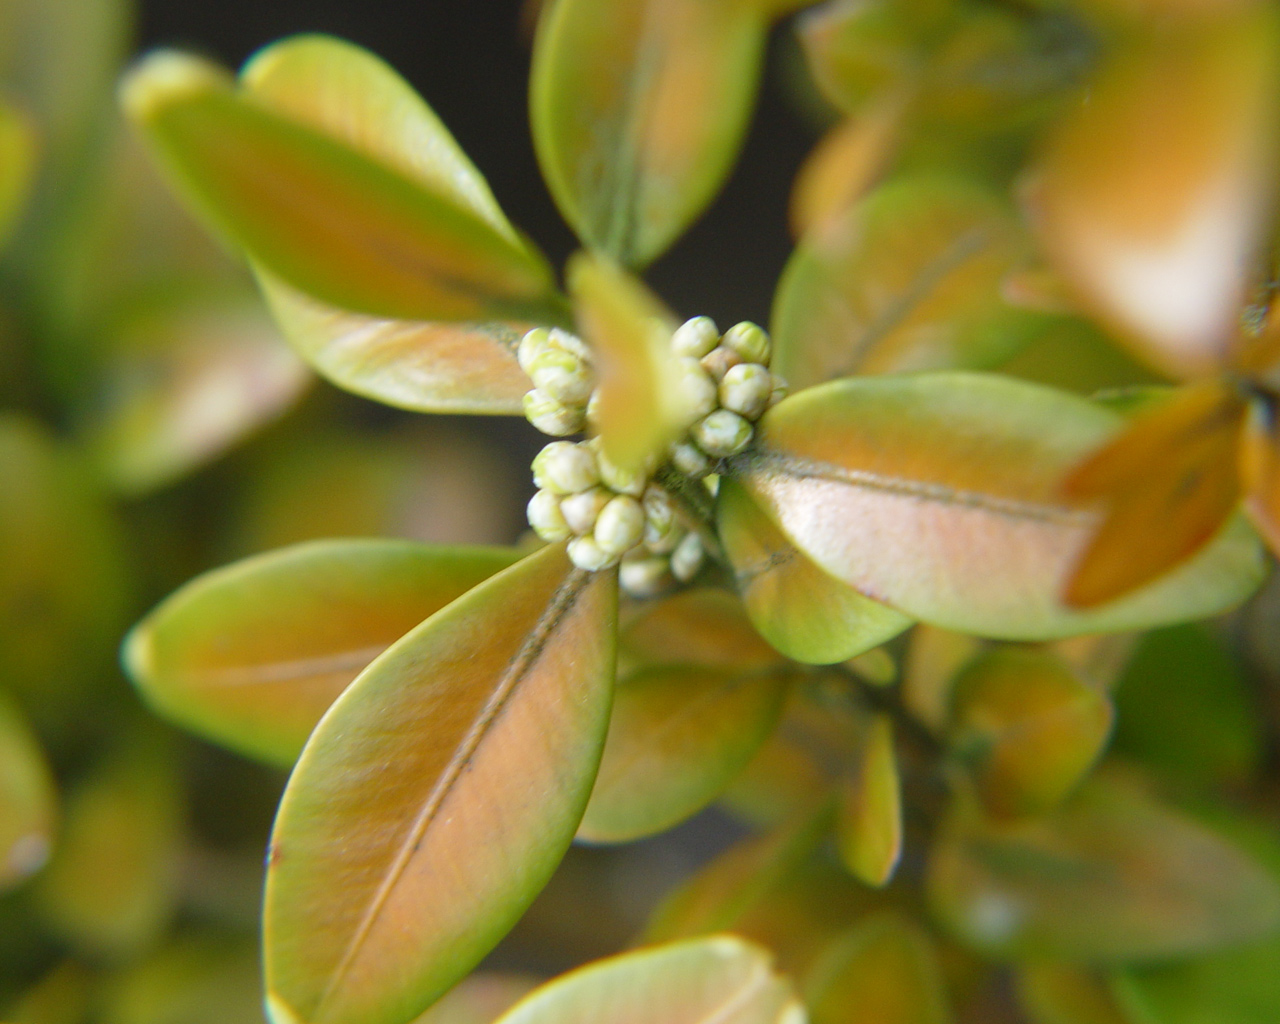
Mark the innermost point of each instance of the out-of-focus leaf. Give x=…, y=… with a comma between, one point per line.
x=1260, y=471
x=883, y=971
x=196, y=979
x=480, y=733
x=63, y=995
x=359, y=233
x=18, y=151
x=1075, y=355
x=28, y=800
x=701, y=626
x=639, y=108
x=938, y=495
x=1184, y=708
x=186, y=383
x=629, y=329
x=1167, y=484
x=1157, y=237
x=253, y=654
x=1055, y=993
x=804, y=612
x=934, y=660
x=1111, y=876
x=480, y=999
x=1028, y=728
x=869, y=815
x=677, y=736
x=111, y=886
x=721, y=979
x=353, y=96
x=909, y=279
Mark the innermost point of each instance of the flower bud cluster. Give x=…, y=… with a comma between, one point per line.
x=559, y=364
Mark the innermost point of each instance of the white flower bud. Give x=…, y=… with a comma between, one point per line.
x=585, y=553
x=571, y=343
x=620, y=525
x=552, y=417
x=690, y=460
x=779, y=392
x=750, y=341
x=658, y=510
x=593, y=408
x=718, y=361
x=695, y=337
x=746, y=389
x=565, y=468
x=687, y=558
x=645, y=577
x=723, y=433
x=563, y=376
x=664, y=541
x=581, y=510
x=546, y=518
x=624, y=481
x=696, y=388
x=532, y=345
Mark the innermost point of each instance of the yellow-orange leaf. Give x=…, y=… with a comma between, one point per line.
x=869, y=817
x=703, y=626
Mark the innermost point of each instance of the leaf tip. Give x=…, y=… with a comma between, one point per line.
x=280, y=1012
x=164, y=77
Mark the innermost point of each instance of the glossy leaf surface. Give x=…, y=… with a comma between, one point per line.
x=639, y=108
x=937, y=494
x=908, y=279
x=869, y=815
x=28, y=800
x=319, y=213
x=482, y=731
x=700, y=626
x=251, y=655
x=1110, y=876
x=804, y=612
x=677, y=737
x=721, y=979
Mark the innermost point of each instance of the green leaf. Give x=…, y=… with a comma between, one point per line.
x=18, y=153
x=28, y=799
x=1027, y=727
x=639, y=108
x=698, y=626
x=678, y=735
x=62, y=995
x=883, y=971
x=1111, y=876
x=869, y=814
x=937, y=494
x=358, y=233
x=351, y=95
x=1235, y=986
x=253, y=654
x=805, y=613
x=909, y=279
x=1056, y=993
x=442, y=789
x=721, y=979
x=198, y=978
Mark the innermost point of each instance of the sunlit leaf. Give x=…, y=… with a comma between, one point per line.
x=196, y=979
x=480, y=732
x=883, y=971
x=1055, y=993
x=18, y=152
x=1111, y=876
x=721, y=979
x=938, y=495
x=28, y=800
x=1157, y=237
x=1028, y=728
x=639, y=108
x=253, y=654
x=677, y=736
x=359, y=233
x=869, y=815
x=480, y=999
x=807, y=614
x=699, y=626
x=909, y=279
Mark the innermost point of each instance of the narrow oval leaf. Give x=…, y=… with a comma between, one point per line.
x=1055, y=993
x=251, y=655
x=869, y=815
x=322, y=215
x=441, y=789
x=805, y=613
x=937, y=494
x=1112, y=875
x=639, y=108
x=909, y=279
x=883, y=971
x=721, y=979
x=18, y=151
x=677, y=737
x=28, y=800
x=1158, y=237
x=700, y=626
x=1027, y=727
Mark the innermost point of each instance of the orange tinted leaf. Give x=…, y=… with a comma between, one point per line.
x=869, y=817
x=934, y=660
x=860, y=51
x=1260, y=470
x=479, y=999
x=483, y=729
x=700, y=626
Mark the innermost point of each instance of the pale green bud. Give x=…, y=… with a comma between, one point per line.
x=664, y=541
x=690, y=459
x=563, y=376
x=750, y=341
x=779, y=392
x=552, y=417
x=646, y=576
x=565, y=468
x=722, y=434
x=687, y=558
x=571, y=343
x=658, y=510
x=532, y=345
x=746, y=389
x=624, y=481
x=545, y=517
x=620, y=525
x=718, y=361
x=585, y=553
x=697, y=389
x=695, y=337
x=593, y=407
x=581, y=510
